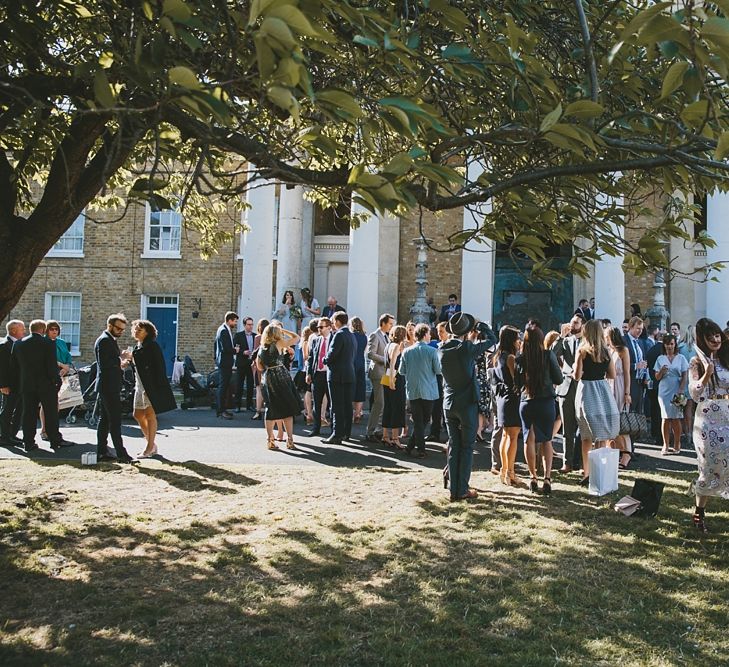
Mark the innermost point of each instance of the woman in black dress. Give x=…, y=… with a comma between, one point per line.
x=507, y=401
x=152, y=392
x=360, y=336
x=393, y=413
x=279, y=393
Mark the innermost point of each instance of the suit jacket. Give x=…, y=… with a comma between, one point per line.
x=339, y=358
x=644, y=348
x=443, y=317
x=150, y=363
x=108, y=362
x=458, y=363
x=376, y=345
x=239, y=338
x=563, y=350
x=328, y=312
x=7, y=374
x=224, y=351
x=34, y=362
x=651, y=356
x=587, y=313
x=312, y=361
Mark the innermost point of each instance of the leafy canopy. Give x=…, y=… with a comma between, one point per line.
x=563, y=104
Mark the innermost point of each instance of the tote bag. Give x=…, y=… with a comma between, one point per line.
x=603, y=464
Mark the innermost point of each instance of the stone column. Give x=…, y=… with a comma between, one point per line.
x=682, y=303
x=257, y=250
x=717, y=226
x=609, y=282
x=477, y=272
x=290, y=242
x=363, y=271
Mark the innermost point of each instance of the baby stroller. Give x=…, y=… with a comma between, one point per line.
x=92, y=403
x=194, y=394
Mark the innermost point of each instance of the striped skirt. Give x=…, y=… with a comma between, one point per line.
x=597, y=412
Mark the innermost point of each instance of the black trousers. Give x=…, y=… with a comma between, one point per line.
x=224, y=375
x=319, y=389
x=341, y=395
x=654, y=412
x=11, y=414
x=420, y=410
x=436, y=423
x=245, y=378
x=47, y=397
x=110, y=425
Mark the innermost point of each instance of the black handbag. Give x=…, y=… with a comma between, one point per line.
x=633, y=424
x=649, y=493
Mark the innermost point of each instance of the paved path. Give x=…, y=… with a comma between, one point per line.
x=197, y=435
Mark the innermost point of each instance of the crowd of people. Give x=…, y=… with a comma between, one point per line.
x=522, y=385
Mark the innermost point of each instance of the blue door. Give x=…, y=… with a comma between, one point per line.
x=165, y=319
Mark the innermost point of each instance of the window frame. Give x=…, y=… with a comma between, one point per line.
x=75, y=351
x=60, y=252
x=148, y=253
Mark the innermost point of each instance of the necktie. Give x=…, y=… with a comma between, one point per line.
x=322, y=353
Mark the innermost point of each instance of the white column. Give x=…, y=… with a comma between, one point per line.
x=717, y=226
x=363, y=272
x=257, y=250
x=290, y=241
x=609, y=281
x=477, y=272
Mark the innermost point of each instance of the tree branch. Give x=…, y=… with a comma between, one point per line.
x=589, y=53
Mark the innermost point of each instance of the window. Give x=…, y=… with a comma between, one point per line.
x=162, y=234
x=71, y=244
x=65, y=308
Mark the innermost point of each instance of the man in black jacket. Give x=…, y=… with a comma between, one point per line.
x=12, y=408
x=315, y=370
x=243, y=341
x=339, y=361
x=108, y=386
x=34, y=363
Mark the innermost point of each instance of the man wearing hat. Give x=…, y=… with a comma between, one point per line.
x=460, y=401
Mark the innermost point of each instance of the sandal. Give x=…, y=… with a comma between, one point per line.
x=585, y=481
x=699, y=519
x=290, y=444
x=272, y=444
x=624, y=466
x=396, y=444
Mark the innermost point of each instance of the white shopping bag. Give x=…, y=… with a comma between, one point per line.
x=603, y=470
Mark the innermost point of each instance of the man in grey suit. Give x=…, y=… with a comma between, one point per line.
x=376, y=344
x=566, y=351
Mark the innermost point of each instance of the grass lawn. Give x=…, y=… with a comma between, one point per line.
x=192, y=564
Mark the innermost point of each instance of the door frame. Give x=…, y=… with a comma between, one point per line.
x=176, y=306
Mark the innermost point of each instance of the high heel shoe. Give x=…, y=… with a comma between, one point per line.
x=147, y=455
x=396, y=444
x=699, y=519
x=290, y=443
x=547, y=486
x=272, y=444
x=534, y=485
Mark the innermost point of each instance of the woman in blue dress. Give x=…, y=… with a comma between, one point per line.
x=360, y=336
x=672, y=370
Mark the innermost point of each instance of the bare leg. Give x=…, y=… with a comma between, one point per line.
x=547, y=457
x=43, y=421
x=666, y=433
x=586, y=447
x=512, y=449
x=308, y=408
x=357, y=408
x=530, y=453
x=676, y=427
x=503, y=455
x=151, y=431
x=269, y=433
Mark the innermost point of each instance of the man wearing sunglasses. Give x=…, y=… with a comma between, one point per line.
x=316, y=372
x=109, y=362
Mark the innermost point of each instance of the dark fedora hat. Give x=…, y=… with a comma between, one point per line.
x=460, y=324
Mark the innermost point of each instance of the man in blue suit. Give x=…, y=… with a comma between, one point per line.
x=450, y=309
x=225, y=352
x=339, y=361
x=637, y=350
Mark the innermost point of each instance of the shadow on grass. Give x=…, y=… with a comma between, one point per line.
x=510, y=579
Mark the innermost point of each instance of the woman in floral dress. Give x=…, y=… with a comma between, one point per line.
x=709, y=387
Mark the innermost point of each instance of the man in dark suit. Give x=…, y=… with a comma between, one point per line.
x=449, y=309
x=339, y=361
x=584, y=310
x=108, y=385
x=244, y=342
x=460, y=401
x=316, y=371
x=34, y=363
x=225, y=351
x=12, y=408
x=331, y=308
x=652, y=409
x=637, y=350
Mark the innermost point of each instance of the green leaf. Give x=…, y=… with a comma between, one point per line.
x=103, y=92
x=722, y=146
x=673, y=78
x=662, y=28
x=294, y=18
x=551, y=118
x=147, y=9
x=399, y=165
x=176, y=9
x=185, y=77
x=716, y=30
x=284, y=98
x=277, y=30
x=694, y=113
x=584, y=109
x=341, y=100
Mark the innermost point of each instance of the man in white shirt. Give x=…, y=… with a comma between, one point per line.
x=225, y=352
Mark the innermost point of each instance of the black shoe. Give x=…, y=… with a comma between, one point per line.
x=433, y=437
x=62, y=443
x=126, y=459
x=30, y=448
x=585, y=481
x=534, y=485
x=11, y=441
x=420, y=454
x=332, y=440
x=314, y=433
x=547, y=486
x=373, y=437
x=106, y=458
x=256, y=416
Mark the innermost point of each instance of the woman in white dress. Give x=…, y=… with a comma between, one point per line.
x=687, y=347
x=309, y=306
x=621, y=387
x=709, y=387
x=671, y=370
x=289, y=320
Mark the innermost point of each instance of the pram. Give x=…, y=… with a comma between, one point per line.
x=90, y=408
x=194, y=394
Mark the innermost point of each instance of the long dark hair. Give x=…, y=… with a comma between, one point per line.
x=705, y=328
x=615, y=336
x=533, y=362
x=508, y=336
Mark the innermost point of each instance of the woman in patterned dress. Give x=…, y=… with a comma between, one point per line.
x=709, y=387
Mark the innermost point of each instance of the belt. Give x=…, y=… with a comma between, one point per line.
x=718, y=397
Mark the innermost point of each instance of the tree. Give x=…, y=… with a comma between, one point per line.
x=563, y=103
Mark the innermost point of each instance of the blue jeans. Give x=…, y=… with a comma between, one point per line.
x=461, y=424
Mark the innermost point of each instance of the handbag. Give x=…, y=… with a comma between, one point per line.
x=603, y=464
x=385, y=381
x=648, y=492
x=633, y=424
